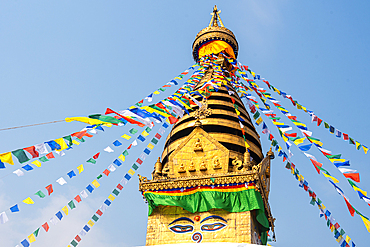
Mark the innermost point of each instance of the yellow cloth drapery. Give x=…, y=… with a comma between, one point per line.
x=216, y=47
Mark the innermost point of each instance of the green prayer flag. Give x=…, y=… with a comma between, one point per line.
x=74, y=243
x=116, y=192
x=148, y=129
x=155, y=141
x=327, y=126
x=351, y=183
x=91, y=160
x=98, y=177
x=342, y=232
x=312, y=202
x=21, y=155
x=162, y=89
x=104, y=118
x=40, y=194
x=274, y=143
x=81, y=139
x=335, y=156
x=351, y=141
x=43, y=159
x=69, y=139
x=71, y=204
x=328, y=222
x=256, y=115
x=95, y=218
x=135, y=167
x=213, y=180
x=125, y=153
x=36, y=233
x=319, y=201
x=287, y=165
x=133, y=131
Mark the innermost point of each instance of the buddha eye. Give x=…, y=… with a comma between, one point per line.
x=181, y=228
x=212, y=227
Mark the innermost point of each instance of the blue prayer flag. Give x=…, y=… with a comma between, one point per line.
x=2, y=165
x=165, y=125
x=345, y=163
x=27, y=167
x=14, y=208
x=141, y=138
x=90, y=188
x=25, y=243
x=128, y=177
x=86, y=228
x=99, y=128
x=71, y=174
x=53, y=145
x=117, y=143
x=305, y=147
x=331, y=129
x=107, y=202
x=59, y=215
x=117, y=162
x=147, y=151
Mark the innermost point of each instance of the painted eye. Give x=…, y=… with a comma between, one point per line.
x=213, y=227
x=181, y=228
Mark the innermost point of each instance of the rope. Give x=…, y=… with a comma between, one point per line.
x=30, y=125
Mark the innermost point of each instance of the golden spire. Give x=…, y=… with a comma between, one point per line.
x=215, y=17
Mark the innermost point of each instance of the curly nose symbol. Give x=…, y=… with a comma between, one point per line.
x=197, y=237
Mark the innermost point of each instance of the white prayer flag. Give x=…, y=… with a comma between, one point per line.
x=108, y=149
x=161, y=130
x=61, y=181
x=61, y=153
x=93, y=131
x=123, y=181
x=343, y=170
x=310, y=156
x=142, y=156
x=84, y=194
x=53, y=221
x=18, y=172
x=41, y=148
x=82, y=233
x=134, y=143
x=103, y=208
x=111, y=168
x=3, y=218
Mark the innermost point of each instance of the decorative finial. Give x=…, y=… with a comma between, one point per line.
x=215, y=18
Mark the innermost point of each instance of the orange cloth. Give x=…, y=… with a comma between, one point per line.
x=215, y=47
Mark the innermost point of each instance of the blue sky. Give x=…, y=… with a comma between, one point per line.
x=66, y=58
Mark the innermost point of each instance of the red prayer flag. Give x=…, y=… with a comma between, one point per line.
x=78, y=239
x=130, y=120
x=96, y=156
x=50, y=155
x=119, y=186
x=46, y=226
x=345, y=137
x=319, y=121
x=353, y=176
x=129, y=146
x=78, y=198
x=172, y=120
x=233, y=100
x=106, y=172
x=109, y=111
x=336, y=226
x=100, y=213
x=49, y=188
x=293, y=117
x=316, y=164
x=291, y=135
x=81, y=134
x=163, y=86
x=139, y=161
x=350, y=208
x=32, y=151
x=158, y=136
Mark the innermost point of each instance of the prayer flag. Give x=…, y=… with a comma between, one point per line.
x=90, y=223
x=53, y=145
x=345, y=137
x=50, y=155
x=21, y=155
x=28, y=200
x=95, y=218
x=71, y=174
x=158, y=136
x=49, y=188
x=90, y=188
x=350, y=208
x=131, y=172
x=108, y=149
x=107, y=202
x=27, y=167
x=366, y=223
x=117, y=162
x=36, y=163
x=116, y=192
x=14, y=208
x=25, y=243
x=106, y=172
x=40, y=194
x=75, y=142
x=338, y=164
x=65, y=210
x=141, y=138
x=62, y=144
x=59, y=215
x=365, y=149
x=298, y=141
x=96, y=156
x=80, y=168
x=316, y=165
x=41, y=148
x=91, y=160
x=111, y=197
x=119, y=186
x=353, y=176
x=61, y=181
x=155, y=141
x=305, y=147
x=133, y=131
x=111, y=168
x=95, y=183
x=100, y=213
x=117, y=143
x=32, y=151
x=78, y=198
x=125, y=153
x=3, y=218
x=71, y=204
x=45, y=226
x=122, y=157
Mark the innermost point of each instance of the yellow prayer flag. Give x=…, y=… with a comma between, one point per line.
x=332, y=178
x=254, y=74
x=300, y=124
x=246, y=144
x=237, y=112
x=323, y=206
x=31, y=238
x=277, y=123
x=90, y=223
x=95, y=183
x=151, y=146
x=111, y=197
x=299, y=141
x=36, y=163
x=338, y=160
x=28, y=200
x=358, y=189
x=7, y=158
x=156, y=92
x=285, y=138
x=144, y=133
x=317, y=142
x=348, y=239
x=122, y=157
x=62, y=143
x=65, y=210
x=332, y=228
x=80, y=168
x=87, y=120
x=339, y=238
x=366, y=222
x=259, y=120
x=357, y=144
x=75, y=142
x=127, y=137
x=131, y=172
x=365, y=149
